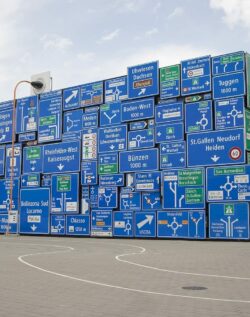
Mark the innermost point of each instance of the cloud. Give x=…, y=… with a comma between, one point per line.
x=55, y=41
x=86, y=57
x=151, y=32
x=178, y=11
x=110, y=36
x=131, y=6
x=157, y=7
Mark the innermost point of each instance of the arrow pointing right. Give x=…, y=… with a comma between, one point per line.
x=73, y=95
x=149, y=219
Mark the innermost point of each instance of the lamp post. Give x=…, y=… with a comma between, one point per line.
x=37, y=85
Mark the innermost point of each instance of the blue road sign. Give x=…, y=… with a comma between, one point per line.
x=229, y=113
x=85, y=206
x=170, y=81
x=123, y=224
x=149, y=181
x=77, y=135
x=6, y=104
x=15, y=162
x=26, y=114
x=228, y=63
x=143, y=80
x=145, y=224
x=138, y=125
x=33, y=159
x=197, y=224
x=184, y=189
x=89, y=173
x=12, y=223
x=77, y=225
x=229, y=221
x=229, y=85
x=169, y=132
x=139, y=160
x=72, y=120
x=137, y=110
x=93, y=196
x=61, y=157
x=71, y=98
x=92, y=94
x=46, y=180
x=228, y=183
x=172, y=154
x=151, y=201
x=90, y=120
x=25, y=137
x=130, y=201
x=169, y=112
x=65, y=193
x=116, y=89
x=217, y=148
x=108, y=163
x=6, y=125
x=111, y=180
x=110, y=114
x=57, y=225
x=5, y=202
x=2, y=160
x=30, y=180
x=196, y=76
x=140, y=139
x=198, y=116
x=34, y=211
x=101, y=223
x=89, y=144
x=107, y=197
x=112, y=139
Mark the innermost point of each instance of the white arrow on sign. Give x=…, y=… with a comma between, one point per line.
x=149, y=219
x=112, y=147
x=73, y=95
x=33, y=228
x=215, y=158
x=142, y=91
x=60, y=167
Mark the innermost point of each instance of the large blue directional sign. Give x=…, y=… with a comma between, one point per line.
x=217, y=148
x=110, y=114
x=229, y=113
x=229, y=221
x=61, y=157
x=8, y=222
x=5, y=185
x=65, y=193
x=149, y=181
x=6, y=125
x=137, y=110
x=77, y=225
x=90, y=120
x=140, y=139
x=116, y=89
x=130, y=201
x=30, y=180
x=107, y=197
x=72, y=120
x=57, y=225
x=112, y=139
x=196, y=76
x=169, y=132
x=92, y=94
x=172, y=154
x=228, y=183
x=89, y=173
x=2, y=160
x=198, y=116
x=229, y=85
x=13, y=162
x=33, y=159
x=151, y=201
x=145, y=224
x=101, y=223
x=26, y=114
x=138, y=160
x=50, y=118
x=34, y=211
x=71, y=98
x=184, y=189
x=111, y=180
x=25, y=137
x=108, y=163
x=89, y=144
x=123, y=224
x=170, y=81
x=228, y=63
x=143, y=80
x=169, y=112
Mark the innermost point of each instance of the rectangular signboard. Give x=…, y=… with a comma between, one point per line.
x=10, y=225
x=172, y=155
x=13, y=162
x=6, y=125
x=5, y=202
x=30, y=180
x=89, y=144
x=57, y=225
x=92, y=94
x=198, y=116
x=72, y=121
x=77, y=225
x=108, y=163
x=170, y=81
x=26, y=137
x=33, y=159
x=169, y=132
x=112, y=139
x=145, y=224
x=228, y=63
x=130, y=200
x=71, y=98
x=169, y=112
x=77, y=135
x=101, y=223
x=89, y=173
x=149, y=181
x=2, y=160
x=93, y=196
x=137, y=110
x=140, y=139
x=110, y=114
x=111, y=180
x=151, y=201
x=116, y=89
x=26, y=114
x=123, y=224
x=229, y=85
x=90, y=120
x=107, y=197
x=138, y=125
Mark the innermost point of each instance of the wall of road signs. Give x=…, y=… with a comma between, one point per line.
x=157, y=153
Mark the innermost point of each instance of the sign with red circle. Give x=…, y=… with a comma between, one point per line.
x=235, y=153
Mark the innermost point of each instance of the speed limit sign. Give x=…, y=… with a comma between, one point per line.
x=235, y=153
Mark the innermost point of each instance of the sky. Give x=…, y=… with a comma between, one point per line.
x=81, y=41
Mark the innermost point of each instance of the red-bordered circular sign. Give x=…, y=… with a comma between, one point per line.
x=235, y=153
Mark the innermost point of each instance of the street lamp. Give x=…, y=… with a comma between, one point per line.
x=37, y=85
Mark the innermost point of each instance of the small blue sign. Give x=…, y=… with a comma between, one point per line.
x=107, y=197
x=62, y=157
x=149, y=181
x=13, y=162
x=2, y=160
x=145, y=224
x=34, y=211
x=89, y=173
x=71, y=98
x=72, y=120
x=26, y=114
x=229, y=85
x=93, y=196
x=6, y=125
x=110, y=114
x=172, y=154
x=169, y=132
x=151, y=201
x=123, y=224
x=197, y=224
x=57, y=225
x=77, y=225
x=101, y=223
x=130, y=201
x=30, y=180
x=92, y=94
x=5, y=202
x=140, y=139
x=112, y=139
x=108, y=163
x=137, y=110
x=111, y=180
x=116, y=89
x=217, y=148
x=139, y=160
x=229, y=113
x=33, y=159
x=26, y=137
x=46, y=180
x=89, y=144
x=90, y=120
x=229, y=221
x=6, y=104
x=169, y=112
x=228, y=63
x=198, y=116
x=138, y=125
x=77, y=135
x=12, y=223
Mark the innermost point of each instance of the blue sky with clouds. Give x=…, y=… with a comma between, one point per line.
x=81, y=41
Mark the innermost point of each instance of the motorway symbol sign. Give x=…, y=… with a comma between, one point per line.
x=33, y=159
x=112, y=139
x=130, y=201
x=26, y=114
x=169, y=112
x=137, y=110
x=111, y=180
x=71, y=98
x=30, y=180
x=170, y=81
x=110, y=114
x=90, y=120
x=151, y=201
x=89, y=144
x=89, y=173
x=72, y=120
x=172, y=154
x=228, y=63
x=140, y=139
x=145, y=224
x=123, y=224
x=149, y=181
x=57, y=224
x=217, y=148
x=101, y=223
x=198, y=116
x=12, y=223
x=6, y=125
x=116, y=89
x=107, y=197
x=229, y=85
x=77, y=225
x=5, y=195
x=2, y=160
x=169, y=132
x=13, y=162
x=108, y=163
x=92, y=94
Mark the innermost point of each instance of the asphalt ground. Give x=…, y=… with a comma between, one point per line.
x=47, y=276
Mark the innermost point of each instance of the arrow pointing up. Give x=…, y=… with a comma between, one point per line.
x=73, y=95
x=149, y=219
